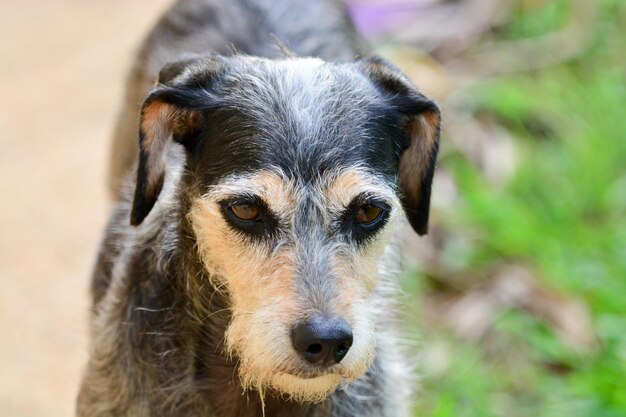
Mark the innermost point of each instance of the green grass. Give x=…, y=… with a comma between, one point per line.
x=564, y=215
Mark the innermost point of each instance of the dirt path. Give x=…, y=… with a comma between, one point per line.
x=62, y=64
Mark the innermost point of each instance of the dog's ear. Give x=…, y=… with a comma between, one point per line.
x=419, y=120
x=175, y=110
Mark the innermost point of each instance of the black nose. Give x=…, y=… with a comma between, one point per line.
x=322, y=341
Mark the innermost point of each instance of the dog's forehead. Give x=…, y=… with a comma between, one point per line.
x=335, y=190
x=303, y=116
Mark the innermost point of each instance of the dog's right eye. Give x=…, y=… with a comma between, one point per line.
x=250, y=215
x=245, y=212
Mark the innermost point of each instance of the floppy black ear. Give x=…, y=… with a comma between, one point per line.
x=420, y=121
x=175, y=110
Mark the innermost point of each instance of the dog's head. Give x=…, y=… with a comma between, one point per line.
x=297, y=171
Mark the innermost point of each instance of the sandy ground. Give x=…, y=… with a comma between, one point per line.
x=62, y=65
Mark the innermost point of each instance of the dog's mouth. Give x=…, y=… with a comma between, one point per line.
x=308, y=373
x=312, y=374
x=308, y=377
x=301, y=381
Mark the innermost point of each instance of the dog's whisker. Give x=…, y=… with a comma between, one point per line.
x=214, y=313
x=152, y=310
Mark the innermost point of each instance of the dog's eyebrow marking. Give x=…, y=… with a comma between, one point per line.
x=273, y=187
x=347, y=184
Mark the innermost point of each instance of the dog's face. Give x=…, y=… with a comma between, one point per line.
x=297, y=172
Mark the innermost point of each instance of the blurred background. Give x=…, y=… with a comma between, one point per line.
x=515, y=302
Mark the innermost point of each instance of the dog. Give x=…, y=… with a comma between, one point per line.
x=249, y=264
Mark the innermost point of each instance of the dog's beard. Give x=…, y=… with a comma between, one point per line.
x=267, y=362
x=296, y=388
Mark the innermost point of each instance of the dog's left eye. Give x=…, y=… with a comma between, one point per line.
x=245, y=212
x=364, y=217
x=368, y=214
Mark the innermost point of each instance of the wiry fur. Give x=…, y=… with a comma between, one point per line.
x=191, y=317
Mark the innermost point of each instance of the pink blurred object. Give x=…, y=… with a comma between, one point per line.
x=376, y=17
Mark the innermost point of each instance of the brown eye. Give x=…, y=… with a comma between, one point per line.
x=367, y=214
x=245, y=212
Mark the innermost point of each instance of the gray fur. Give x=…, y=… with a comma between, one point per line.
x=318, y=28
x=159, y=317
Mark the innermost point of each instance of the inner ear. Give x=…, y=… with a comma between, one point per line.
x=174, y=111
x=417, y=167
x=160, y=123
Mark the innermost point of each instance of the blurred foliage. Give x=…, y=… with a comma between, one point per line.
x=562, y=214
